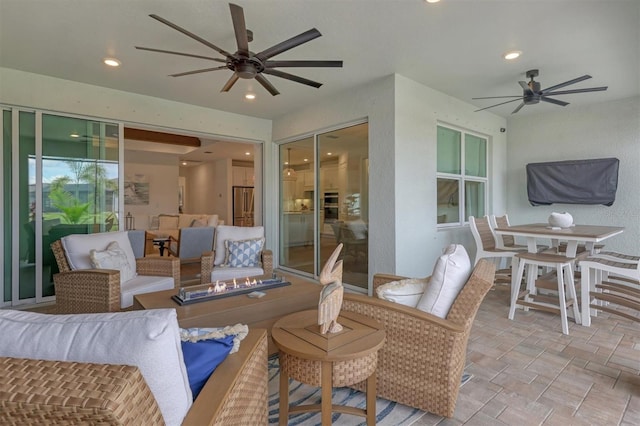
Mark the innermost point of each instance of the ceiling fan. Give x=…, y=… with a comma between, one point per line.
x=246, y=64
x=531, y=93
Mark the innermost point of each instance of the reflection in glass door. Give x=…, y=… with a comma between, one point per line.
x=319, y=210
x=59, y=177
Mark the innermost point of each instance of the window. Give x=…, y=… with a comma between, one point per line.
x=461, y=176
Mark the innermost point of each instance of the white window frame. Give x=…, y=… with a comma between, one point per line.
x=462, y=177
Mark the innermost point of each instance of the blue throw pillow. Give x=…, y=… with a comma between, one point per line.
x=202, y=357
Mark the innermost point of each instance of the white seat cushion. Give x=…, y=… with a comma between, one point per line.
x=142, y=284
x=406, y=292
x=78, y=246
x=149, y=340
x=236, y=233
x=223, y=274
x=450, y=274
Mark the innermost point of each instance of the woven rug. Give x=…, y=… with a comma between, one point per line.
x=388, y=413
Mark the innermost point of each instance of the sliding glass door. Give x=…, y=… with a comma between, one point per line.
x=60, y=177
x=324, y=202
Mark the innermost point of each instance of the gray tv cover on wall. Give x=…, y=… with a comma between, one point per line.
x=592, y=181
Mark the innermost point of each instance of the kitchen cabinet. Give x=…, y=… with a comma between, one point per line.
x=243, y=176
x=304, y=182
x=329, y=177
x=299, y=228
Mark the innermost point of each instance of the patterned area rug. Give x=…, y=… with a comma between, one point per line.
x=388, y=413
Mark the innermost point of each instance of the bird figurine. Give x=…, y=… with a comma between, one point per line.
x=331, y=294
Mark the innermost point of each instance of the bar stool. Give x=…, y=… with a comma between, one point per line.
x=530, y=297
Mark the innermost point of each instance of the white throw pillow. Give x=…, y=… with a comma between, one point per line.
x=150, y=340
x=406, y=292
x=78, y=246
x=451, y=272
x=236, y=233
x=113, y=257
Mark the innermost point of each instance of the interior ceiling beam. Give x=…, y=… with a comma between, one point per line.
x=160, y=137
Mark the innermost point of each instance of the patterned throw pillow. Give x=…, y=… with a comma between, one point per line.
x=244, y=253
x=112, y=258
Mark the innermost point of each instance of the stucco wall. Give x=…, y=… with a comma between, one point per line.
x=608, y=129
x=402, y=118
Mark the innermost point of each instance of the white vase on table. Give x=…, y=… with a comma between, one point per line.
x=561, y=220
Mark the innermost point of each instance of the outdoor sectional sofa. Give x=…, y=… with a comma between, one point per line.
x=63, y=393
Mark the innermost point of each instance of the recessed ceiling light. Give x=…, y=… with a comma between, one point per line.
x=514, y=54
x=184, y=163
x=112, y=62
x=306, y=159
x=247, y=153
x=432, y=1
x=250, y=96
x=74, y=135
x=329, y=153
x=286, y=163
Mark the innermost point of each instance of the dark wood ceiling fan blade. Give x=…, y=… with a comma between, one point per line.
x=553, y=101
x=501, y=103
x=181, y=74
x=240, y=28
x=229, y=84
x=293, y=64
x=190, y=34
x=518, y=108
x=288, y=44
x=292, y=77
x=497, y=97
x=526, y=87
x=171, y=52
x=568, y=92
x=267, y=85
x=566, y=83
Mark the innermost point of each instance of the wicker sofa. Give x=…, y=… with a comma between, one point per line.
x=66, y=393
x=422, y=361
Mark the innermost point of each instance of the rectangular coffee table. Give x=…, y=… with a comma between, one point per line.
x=301, y=295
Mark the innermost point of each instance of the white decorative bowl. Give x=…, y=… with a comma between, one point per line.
x=560, y=220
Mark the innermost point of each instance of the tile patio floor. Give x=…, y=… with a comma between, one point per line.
x=526, y=372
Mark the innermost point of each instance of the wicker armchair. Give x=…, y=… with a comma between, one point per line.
x=422, y=361
x=71, y=393
x=98, y=290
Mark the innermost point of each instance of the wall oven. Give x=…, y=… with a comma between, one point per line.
x=331, y=206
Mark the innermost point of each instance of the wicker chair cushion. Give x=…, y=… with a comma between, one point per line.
x=406, y=292
x=451, y=272
x=141, y=284
x=149, y=340
x=113, y=257
x=236, y=233
x=78, y=246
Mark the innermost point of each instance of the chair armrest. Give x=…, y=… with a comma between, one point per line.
x=379, y=279
x=267, y=262
x=87, y=290
x=39, y=391
x=236, y=393
x=160, y=266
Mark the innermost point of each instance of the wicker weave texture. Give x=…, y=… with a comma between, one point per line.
x=160, y=267
x=247, y=401
x=423, y=358
x=37, y=392
x=344, y=373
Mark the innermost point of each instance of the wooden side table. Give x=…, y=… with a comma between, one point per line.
x=339, y=359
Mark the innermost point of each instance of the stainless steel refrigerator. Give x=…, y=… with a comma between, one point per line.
x=243, y=205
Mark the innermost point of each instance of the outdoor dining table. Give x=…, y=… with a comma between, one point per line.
x=587, y=234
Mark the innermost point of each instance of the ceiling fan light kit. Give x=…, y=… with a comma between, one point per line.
x=533, y=94
x=246, y=64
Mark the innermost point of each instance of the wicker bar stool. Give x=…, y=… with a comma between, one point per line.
x=531, y=299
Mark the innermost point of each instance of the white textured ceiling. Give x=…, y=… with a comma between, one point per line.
x=454, y=46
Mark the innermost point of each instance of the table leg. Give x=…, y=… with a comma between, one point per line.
x=284, y=399
x=326, y=384
x=371, y=400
